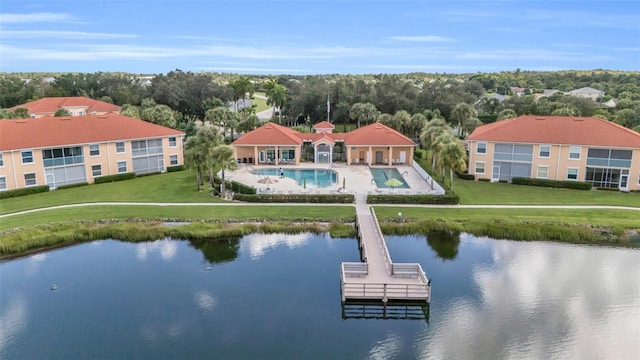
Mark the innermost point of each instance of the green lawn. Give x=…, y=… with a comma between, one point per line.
x=234, y=213
x=620, y=218
x=168, y=187
x=261, y=104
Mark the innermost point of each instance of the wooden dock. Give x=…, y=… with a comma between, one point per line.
x=377, y=278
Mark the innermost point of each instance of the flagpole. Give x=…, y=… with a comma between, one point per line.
x=328, y=109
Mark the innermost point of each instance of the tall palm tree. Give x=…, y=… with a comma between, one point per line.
x=269, y=88
x=196, y=156
x=431, y=131
x=416, y=124
x=451, y=155
x=401, y=120
x=220, y=116
x=277, y=97
x=461, y=113
x=364, y=112
x=222, y=159
x=241, y=86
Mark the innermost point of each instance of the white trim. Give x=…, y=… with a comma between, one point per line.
x=175, y=141
x=171, y=161
x=484, y=168
x=125, y=166
x=1, y=160
x=571, y=152
x=25, y=179
x=33, y=160
x=4, y=178
x=94, y=144
x=538, y=172
x=124, y=145
x=95, y=176
x=540, y=150
x=478, y=146
x=577, y=173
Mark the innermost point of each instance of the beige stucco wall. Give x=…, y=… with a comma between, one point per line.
x=13, y=169
x=558, y=162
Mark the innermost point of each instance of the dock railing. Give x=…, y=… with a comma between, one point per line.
x=382, y=245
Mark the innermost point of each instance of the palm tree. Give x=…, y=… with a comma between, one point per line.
x=364, y=112
x=417, y=123
x=431, y=131
x=241, y=86
x=461, y=113
x=277, y=97
x=269, y=88
x=222, y=117
x=401, y=121
x=196, y=157
x=222, y=159
x=451, y=155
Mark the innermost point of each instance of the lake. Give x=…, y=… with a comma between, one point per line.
x=277, y=296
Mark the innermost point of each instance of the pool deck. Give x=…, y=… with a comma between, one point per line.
x=357, y=180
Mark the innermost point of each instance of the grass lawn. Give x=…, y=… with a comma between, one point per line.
x=261, y=104
x=236, y=213
x=168, y=187
x=618, y=218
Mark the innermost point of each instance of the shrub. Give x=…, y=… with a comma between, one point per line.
x=413, y=199
x=578, y=185
x=420, y=154
x=112, y=178
x=24, y=191
x=148, y=174
x=484, y=179
x=242, y=188
x=465, y=176
x=69, y=186
x=175, y=168
x=296, y=198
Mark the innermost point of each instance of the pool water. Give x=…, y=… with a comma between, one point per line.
x=315, y=178
x=382, y=175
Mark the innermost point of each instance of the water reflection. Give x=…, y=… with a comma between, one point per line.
x=14, y=320
x=218, y=250
x=444, y=243
x=541, y=300
x=167, y=249
x=258, y=244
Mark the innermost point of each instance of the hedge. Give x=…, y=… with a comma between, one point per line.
x=112, y=178
x=242, y=188
x=69, y=186
x=578, y=185
x=24, y=191
x=465, y=176
x=296, y=198
x=149, y=174
x=419, y=154
x=413, y=199
x=175, y=168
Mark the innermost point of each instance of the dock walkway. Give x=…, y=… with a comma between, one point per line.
x=377, y=278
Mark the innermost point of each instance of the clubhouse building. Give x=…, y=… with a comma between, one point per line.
x=74, y=105
x=588, y=149
x=273, y=144
x=57, y=151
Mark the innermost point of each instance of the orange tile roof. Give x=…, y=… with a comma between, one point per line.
x=324, y=125
x=49, y=105
x=568, y=130
x=270, y=134
x=376, y=134
x=50, y=131
x=274, y=134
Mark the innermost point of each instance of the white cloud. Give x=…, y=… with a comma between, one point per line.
x=57, y=34
x=256, y=70
x=34, y=18
x=423, y=38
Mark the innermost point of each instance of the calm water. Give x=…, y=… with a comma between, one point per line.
x=383, y=175
x=277, y=296
x=315, y=178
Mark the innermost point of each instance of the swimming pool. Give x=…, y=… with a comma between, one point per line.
x=382, y=175
x=315, y=178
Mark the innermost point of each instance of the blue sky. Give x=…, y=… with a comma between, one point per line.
x=318, y=37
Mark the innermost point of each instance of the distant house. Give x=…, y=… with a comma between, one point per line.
x=550, y=92
x=609, y=104
x=587, y=149
x=518, y=91
x=56, y=151
x=587, y=92
x=371, y=144
x=75, y=106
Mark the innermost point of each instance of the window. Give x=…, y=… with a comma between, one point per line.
x=120, y=147
x=481, y=148
x=27, y=157
x=173, y=160
x=30, y=179
x=173, y=142
x=572, y=174
x=544, y=151
x=96, y=170
x=543, y=172
x=574, y=152
x=62, y=156
x=479, y=167
x=122, y=167
x=3, y=183
x=1, y=161
x=94, y=150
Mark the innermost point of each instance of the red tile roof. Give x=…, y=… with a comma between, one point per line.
x=324, y=125
x=274, y=134
x=558, y=130
x=270, y=134
x=49, y=105
x=49, y=131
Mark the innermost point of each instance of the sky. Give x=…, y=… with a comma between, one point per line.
x=300, y=37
